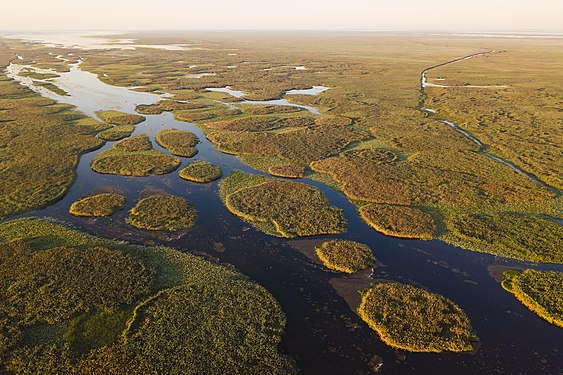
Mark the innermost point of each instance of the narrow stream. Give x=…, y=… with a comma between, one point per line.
x=323, y=333
x=482, y=147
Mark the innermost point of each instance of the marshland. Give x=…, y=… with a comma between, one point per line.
x=210, y=176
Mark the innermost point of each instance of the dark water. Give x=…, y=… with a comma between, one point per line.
x=323, y=333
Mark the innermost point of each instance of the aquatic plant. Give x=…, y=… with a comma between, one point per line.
x=134, y=157
x=98, y=205
x=282, y=208
x=163, y=212
x=399, y=221
x=201, y=171
x=345, y=256
x=410, y=318
x=127, y=309
x=538, y=291
x=178, y=142
x=287, y=171
x=120, y=118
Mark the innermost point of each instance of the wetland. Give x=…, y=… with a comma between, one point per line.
x=197, y=168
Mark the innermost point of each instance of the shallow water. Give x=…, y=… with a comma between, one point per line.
x=323, y=333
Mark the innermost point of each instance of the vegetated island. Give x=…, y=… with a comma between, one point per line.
x=399, y=221
x=280, y=208
x=163, y=212
x=541, y=292
x=134, y=157
x=98, y=205
x=127, y=309
x=410, y=318
x=178, y=142
x=345, y=256
x=201, y=171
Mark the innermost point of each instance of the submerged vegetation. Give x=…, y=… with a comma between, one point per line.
x=539, y=291
x=98, y=205
x=345, y=256
x=107, y=306
x=201, y=171
x=282, y=208
x=178, y=142
x=399, y=221
x=134, y=157
x=413, y=319
x=163, y=212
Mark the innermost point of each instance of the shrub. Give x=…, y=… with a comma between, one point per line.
x=287, y=171
x=117, y=132
x=120, y=118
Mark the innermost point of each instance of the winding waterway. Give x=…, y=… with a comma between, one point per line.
x=323, y=333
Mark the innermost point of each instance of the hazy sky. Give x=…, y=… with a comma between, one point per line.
x=283, y=14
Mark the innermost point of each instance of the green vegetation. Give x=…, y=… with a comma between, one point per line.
x=201, y=171
x=509, y=234
x=287, y=171
x=166, y=105
x=163, y=212
x=399, y=221
x=51, y=87
x=134, y=157
x=413, y=319
x=345, y=256
x=282, y=208
x=116, y=133
x=120, y=118
x=178, y=142
x=538, y=291
x=40, y=143
x=73, y=303
x=98, y=205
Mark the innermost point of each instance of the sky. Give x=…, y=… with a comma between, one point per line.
x=393, y=15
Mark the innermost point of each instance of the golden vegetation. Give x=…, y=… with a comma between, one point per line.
x=73, y=303
x=120, y=118
x=178, y=142
x=163, y=212
x=115, y=133
x=287, y=171
x=282, y=208
x=508, y=234
x=166, y=105
x=40, y=143
x=201, y=171
x=345, y=256
x=134, y=157
x=538, y=291
x=413, y=319
x=98, y=205
x=399, y=221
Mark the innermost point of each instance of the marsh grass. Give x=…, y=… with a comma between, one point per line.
x=116, y=133
x=538, y=291
x=178, y=142
x=287, y=171
x=163, y=212
x=98, y=205
x=282, y=208
x=415, y=320
x=345, y=256
x=113, y=307
x=399, y=221
x=120, y=118
x=201, y=171
x=134, y=157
